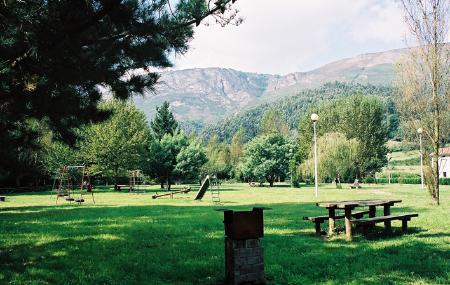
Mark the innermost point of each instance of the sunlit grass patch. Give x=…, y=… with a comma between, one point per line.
x=133, y=239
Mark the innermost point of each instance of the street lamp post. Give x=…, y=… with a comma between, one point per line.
x=314, y=118
x=388, y=168
x=290, y=164
x=420, y=131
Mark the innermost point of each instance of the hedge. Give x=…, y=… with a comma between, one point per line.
x=402, y=180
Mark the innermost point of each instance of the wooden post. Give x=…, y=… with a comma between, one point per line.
x=387, y=212
x=331, y=220
x=404, y=225
x=317, y=227
x=348, y=224
x=372, y=211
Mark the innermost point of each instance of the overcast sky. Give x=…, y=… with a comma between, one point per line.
x=283, y=36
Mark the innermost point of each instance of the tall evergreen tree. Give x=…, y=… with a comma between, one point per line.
x=164, y=122
x=55, y=54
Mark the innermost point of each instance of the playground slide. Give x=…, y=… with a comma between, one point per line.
x=201, y=192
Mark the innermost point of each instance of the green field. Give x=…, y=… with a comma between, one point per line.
x=405, y=162
x=132, y=239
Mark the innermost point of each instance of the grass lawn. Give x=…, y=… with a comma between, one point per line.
x=132, y=239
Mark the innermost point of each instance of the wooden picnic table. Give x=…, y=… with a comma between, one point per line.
x=348, y=207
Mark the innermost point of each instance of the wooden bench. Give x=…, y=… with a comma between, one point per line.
x=119, y=187
x=318, y=220
x=2, y=198
x=365, y=223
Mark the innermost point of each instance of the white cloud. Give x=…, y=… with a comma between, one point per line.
x=296, y=35
x=382, y=21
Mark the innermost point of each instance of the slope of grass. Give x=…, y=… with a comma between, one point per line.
x=131, y=239
x=407, y=162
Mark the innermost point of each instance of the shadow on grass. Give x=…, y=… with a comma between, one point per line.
x=184, y=245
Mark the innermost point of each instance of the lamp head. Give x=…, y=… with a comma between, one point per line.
x=419, y=131
x=314, y=117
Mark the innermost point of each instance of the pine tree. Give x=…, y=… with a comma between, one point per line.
x=55, y=54
x=164, y=122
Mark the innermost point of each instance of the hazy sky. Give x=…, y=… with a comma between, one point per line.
x=283, y=36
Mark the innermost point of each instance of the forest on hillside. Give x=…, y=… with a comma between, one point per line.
x=292, y=108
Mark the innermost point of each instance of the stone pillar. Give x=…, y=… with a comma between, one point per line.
x=244, y=261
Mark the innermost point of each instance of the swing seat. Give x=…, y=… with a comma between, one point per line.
x=79, y=200
x=70, y=199
x=62, y=195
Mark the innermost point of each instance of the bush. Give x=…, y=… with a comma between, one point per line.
x=409, y=180
x=403, y=179
x=368, y=180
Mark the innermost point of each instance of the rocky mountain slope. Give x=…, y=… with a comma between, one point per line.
x=202, y=96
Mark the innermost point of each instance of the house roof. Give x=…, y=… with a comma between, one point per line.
x=444, y=151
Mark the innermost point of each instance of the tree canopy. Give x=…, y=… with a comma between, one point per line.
x=118, y=144
x=56, y=55
x=337, y=158
x=357, y=117
x=291, y=109
x=175, y=156
x=266, y=158
x=164, y=122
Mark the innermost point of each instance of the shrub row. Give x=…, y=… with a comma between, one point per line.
x=402, y=180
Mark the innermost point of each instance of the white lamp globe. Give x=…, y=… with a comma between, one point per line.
x=314, y=117
x=419, y=131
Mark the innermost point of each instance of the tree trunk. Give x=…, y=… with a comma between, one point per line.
x=162, y=183
x=271, y=182
x=116, y=178
x=436, y=107
x=168, y=183
x=18, y=180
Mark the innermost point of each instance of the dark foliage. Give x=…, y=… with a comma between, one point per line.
x=54, y=55
x=164, y=122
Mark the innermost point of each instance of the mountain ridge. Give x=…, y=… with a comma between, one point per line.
x=201, y=96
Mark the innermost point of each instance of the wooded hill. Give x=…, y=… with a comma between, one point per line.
x=292, y=108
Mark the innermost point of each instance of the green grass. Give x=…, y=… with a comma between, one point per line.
x=132, y=239
x=406, y=162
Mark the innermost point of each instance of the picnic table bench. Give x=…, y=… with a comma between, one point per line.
x=120, y=186
x=349, y=206
x=372, y=221
x=318, y=220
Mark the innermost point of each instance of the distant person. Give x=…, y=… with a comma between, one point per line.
x=356, y=183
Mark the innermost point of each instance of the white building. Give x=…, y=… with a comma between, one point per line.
x=444, y=162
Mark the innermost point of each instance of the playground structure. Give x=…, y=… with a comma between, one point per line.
x=184, y=191
x=72, y=183
x=211, y=183
x=215, y=190
x=136, y=181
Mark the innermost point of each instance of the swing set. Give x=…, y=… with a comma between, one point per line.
x=73, y=183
